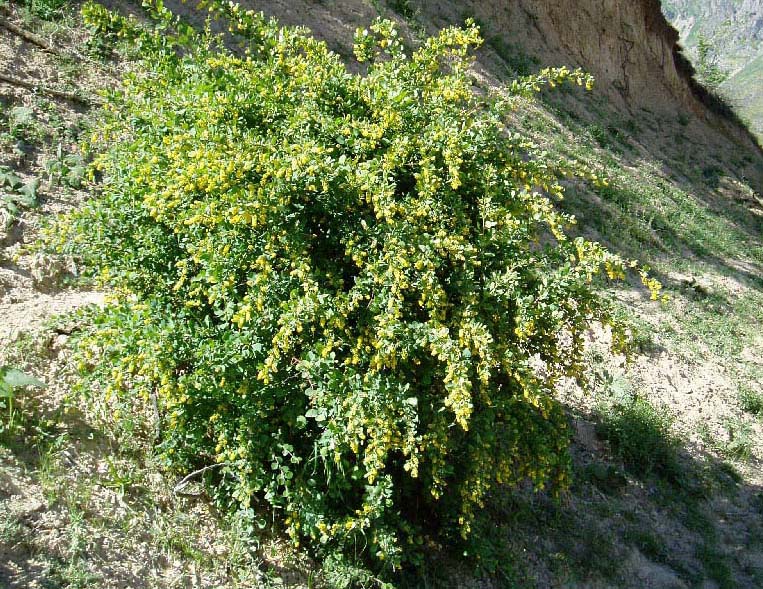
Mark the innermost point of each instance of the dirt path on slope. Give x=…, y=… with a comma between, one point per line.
x=38, y=146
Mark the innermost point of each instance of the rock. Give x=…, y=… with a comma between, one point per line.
x=6, y=220
x=653, y=575
x=47, y=270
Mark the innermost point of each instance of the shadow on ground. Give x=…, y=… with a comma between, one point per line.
x=672, y=519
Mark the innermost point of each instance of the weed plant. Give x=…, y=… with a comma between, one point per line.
x=751, y=400
x=641, y=438
x=45, y=9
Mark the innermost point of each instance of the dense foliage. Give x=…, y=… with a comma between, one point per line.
x=351, y=292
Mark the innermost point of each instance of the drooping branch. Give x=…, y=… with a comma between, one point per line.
x=31, y=37
x=13, y=81
x=187, y=479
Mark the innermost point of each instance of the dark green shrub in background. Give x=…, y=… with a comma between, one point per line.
x=351, y=293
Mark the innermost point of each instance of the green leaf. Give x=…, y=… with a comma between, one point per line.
x=21, y=115
x=75, y=176
x=5, y=391
x=15, y=379
x=10, y=206
x=28, y=192
x=11, y=180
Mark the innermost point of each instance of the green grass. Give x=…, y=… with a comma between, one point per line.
x=649, y=543
x=10, y=528
x=46, y=9
x=110, y=499
x=517, y=61
x=751, y=400
x=643, y=212
x=716, y=565
x=740, y=440
x=403, y=8
x=694, y=239
x=744, y=89
x=640, y=436
x=719, y=322
x=737, y=444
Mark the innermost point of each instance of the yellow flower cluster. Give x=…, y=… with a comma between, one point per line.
x=337, y=285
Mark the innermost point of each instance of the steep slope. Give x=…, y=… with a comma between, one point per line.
x=735, y=31
x=629, y=47
x=736, y=27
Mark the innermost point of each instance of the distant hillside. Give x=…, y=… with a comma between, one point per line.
x=735, y=29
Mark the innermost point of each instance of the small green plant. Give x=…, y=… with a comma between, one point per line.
x=751, y=400
x=641, y=437
x=118, y=478
x=517, y=61
x=16, y=191
x=12, y=381
x=46, y=9
x=15, y=195
x=106, y=29
x=331, y=287
x=23, y=125
x=403, y=8
x=631, y=126
x=649, y=544
x=73, y=574
x=610, y=479
x=11, y=529
x=738, y=442
x=69, y=168
x=739, y=445
x=712, y=175
x=716, y=565
x=725, y=477
x=600, y=135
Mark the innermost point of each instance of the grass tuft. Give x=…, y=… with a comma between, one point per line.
x=641, y=438
x=751, y=400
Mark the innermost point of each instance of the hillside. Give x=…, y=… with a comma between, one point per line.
x=667, y=449
x=735, y=30
x=629, y=48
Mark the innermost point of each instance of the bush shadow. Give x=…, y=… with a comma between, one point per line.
x=643, y=510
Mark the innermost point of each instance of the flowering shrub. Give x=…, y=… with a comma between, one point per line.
x=351, y=292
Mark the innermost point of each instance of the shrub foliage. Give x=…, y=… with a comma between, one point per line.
x=351, y=292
